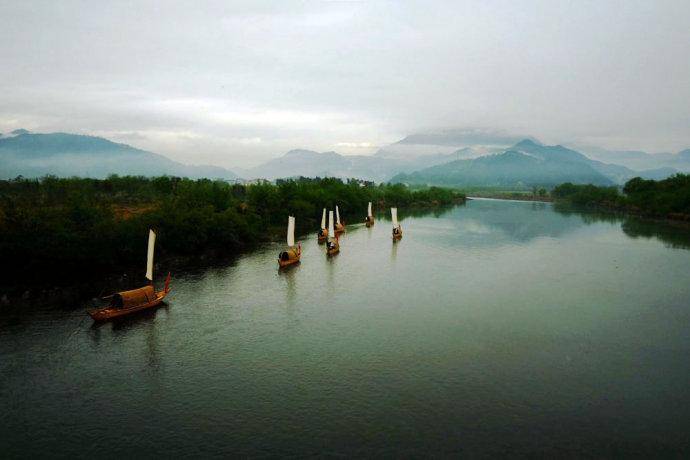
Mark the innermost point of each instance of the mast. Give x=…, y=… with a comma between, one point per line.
x=331, y=231
x=149, y=255
x=337, y=215
x=291, y=231
x=323, y=219
x=369, y=210
x=394, y=217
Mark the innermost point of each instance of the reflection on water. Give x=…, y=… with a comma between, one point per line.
x=490, y=223
x=288, y=274
x=491, y=329
x=394, y=249
x=436, y=211
x=674, y=234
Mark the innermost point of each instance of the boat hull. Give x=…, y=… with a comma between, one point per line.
x=339, y=228
x=369, y=222
x=108, y=313
x=286, y=263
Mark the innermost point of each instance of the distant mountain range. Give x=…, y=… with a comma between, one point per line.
x=309, y=163
x=452, y=158
x=472, y=142
x=60, y=154
x=526, y=164
x=409, y=154
x=639, y=160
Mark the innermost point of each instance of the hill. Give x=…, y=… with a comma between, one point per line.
x=526, y=164
x=529, y=163
x=308, y=163
x=65, y=155
x=471, y=142
x=639, y=160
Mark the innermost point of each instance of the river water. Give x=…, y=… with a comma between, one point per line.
x=493, y=328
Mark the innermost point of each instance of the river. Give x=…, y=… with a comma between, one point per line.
x=493, y=328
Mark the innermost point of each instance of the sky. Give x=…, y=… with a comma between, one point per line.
x=234, y=83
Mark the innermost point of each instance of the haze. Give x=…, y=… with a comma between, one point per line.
x=233, y=84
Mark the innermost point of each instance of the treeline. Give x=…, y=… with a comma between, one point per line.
x=668, y=198
x=57, y=230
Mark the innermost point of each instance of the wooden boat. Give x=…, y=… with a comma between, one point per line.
x=323, y=232
x=333, y=245
x=397, y=229
x=292, y=254
x=128, y=302
x=339, y=227
x=369, y=221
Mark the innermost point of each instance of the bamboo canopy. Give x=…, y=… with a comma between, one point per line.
x=134, y=297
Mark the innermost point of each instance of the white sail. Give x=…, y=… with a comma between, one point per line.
x=291, y=231
x=337, y=215
x=149, y=256
x=394, y=216
x=323, y=219
x=369, y=210
x=331, y=230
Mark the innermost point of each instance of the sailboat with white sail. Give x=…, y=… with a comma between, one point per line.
x=397, y=229
x=127, y=302
x=369, y=221
x=333, y=245
x=339, y=227
x=323, y=232
x=292, y=254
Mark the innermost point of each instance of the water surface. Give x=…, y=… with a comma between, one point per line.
x=494, y=328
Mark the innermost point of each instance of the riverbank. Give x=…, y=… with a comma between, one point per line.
x=56, y=231
x=512, y=197
x=666, y=200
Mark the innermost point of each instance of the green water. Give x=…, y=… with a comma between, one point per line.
x=494, y=328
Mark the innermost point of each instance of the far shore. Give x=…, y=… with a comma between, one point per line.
x=511, y=197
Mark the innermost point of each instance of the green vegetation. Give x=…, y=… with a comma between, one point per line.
x=668, y=198
x=63, y=230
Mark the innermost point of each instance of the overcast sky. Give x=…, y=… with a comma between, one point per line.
x=233, y=83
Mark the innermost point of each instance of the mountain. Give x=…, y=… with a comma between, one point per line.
x=553, y=162
x=414, y=152
x=61, y=154
x=478, y=141
x=617, y=173
x=639, y=160
x=683, y=155
x=309, y=163
x=462, y=137
x=525, y=164
x=656, y=174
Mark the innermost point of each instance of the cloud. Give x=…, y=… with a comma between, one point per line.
x=236, y=83
x=355, y=145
